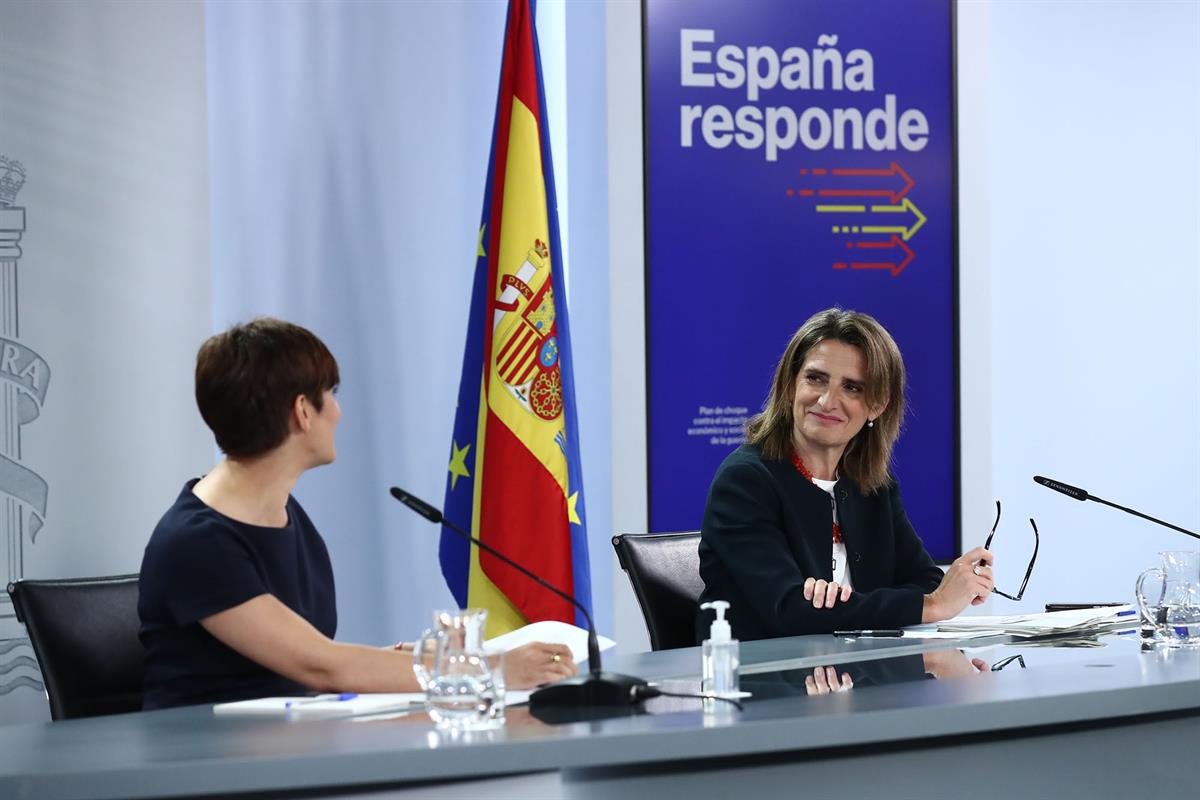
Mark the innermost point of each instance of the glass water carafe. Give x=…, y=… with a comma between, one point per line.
x=452, y=668
x=1169, y=598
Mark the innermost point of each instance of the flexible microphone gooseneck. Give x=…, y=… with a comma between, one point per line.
x=1082, y=494
x=597, y=688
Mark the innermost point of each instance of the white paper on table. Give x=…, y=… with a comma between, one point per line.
x=931, y=632
x=550, y=632
x=322, y=706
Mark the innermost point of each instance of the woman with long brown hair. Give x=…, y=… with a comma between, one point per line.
x=804, y=530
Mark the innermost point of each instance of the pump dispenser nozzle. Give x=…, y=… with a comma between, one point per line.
x=720, y=630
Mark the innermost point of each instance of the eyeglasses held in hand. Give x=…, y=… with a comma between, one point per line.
x=1004, y=662
x=1029, y=570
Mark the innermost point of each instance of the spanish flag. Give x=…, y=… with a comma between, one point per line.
x=514, y=475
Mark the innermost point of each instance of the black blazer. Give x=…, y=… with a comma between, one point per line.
x=767, y=528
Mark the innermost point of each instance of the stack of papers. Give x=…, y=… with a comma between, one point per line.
x=1083, y=621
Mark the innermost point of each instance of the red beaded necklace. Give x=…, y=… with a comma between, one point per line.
x=807, y=473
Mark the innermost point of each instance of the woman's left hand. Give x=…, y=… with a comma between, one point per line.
x=536, y=663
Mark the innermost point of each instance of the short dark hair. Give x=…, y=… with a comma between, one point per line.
x=248, y=377
x=869, y=453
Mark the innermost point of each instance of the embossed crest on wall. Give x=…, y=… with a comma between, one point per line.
x=24, y=376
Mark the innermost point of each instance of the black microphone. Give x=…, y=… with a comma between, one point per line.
x=1082, y=494
x=1065, y=488
x=597, y=688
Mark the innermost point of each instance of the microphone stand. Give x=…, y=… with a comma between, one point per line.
x=1082, y=494
x=596, y=688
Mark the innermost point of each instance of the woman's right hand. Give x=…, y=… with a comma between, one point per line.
x=823, y=593
x=943, y=664
x=967, y=582
x=537, y=663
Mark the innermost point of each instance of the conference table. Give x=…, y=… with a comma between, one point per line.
x=1103, y=717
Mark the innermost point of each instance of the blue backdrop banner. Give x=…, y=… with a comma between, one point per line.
x=799, y=156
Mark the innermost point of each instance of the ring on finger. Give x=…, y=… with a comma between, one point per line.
x=978, y=570
x=556, y=658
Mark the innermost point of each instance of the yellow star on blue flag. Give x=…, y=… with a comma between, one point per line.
x=458, y=464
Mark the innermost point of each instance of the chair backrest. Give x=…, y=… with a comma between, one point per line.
x=84, y=633
x=664, y=569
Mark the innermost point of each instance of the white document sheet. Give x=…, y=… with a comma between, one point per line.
x=551, y=632
x=931, y=632
x=322, y=705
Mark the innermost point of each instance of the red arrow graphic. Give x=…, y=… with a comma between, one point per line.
x=894, y=169
x=895, y=268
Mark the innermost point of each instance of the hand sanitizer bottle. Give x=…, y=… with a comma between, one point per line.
x=720, y=655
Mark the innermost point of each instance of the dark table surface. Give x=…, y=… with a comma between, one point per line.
x=191, y=751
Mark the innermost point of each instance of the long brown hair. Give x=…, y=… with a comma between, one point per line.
x=869, y=453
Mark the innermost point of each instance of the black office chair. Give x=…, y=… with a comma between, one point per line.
x=664, y=569
x=84, y=633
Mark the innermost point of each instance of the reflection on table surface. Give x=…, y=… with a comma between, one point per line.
x=901, y=692
x=825, y=670
x=997, y=661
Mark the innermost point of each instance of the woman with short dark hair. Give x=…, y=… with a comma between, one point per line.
x=804, y=530
x=236, y=591
x=246, y=376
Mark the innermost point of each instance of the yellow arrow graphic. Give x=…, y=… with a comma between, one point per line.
x=905, y=207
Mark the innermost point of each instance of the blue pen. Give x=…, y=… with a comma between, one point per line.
x=321, y=698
